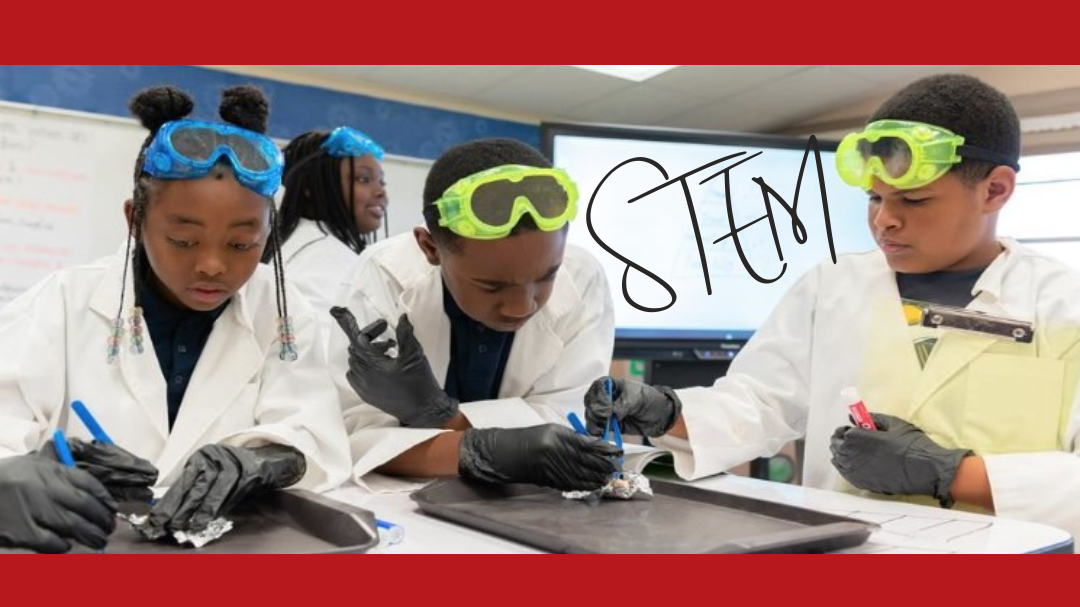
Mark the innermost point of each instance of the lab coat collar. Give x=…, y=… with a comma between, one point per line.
x=423, y=300
x=989, y=289
x=536, y=345
x=230, y=359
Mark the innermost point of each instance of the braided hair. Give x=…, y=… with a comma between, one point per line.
x=244, y=106
x=313, y=191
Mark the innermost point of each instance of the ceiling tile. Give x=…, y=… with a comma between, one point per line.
x=453, y=80
x=641, y=104
x=720, y=81
x=808, y=93
x=550, y=90
x=896, y=75
x=725, y=116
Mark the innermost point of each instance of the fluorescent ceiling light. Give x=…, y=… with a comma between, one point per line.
x=635, y=73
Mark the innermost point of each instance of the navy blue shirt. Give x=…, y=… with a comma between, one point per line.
x=948, y=288
x=179, y=336
x=478, y=356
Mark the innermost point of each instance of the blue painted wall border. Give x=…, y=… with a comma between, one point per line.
x=402, y=128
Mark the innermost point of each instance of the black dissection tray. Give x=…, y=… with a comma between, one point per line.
x=293, y=521
x=679, y=518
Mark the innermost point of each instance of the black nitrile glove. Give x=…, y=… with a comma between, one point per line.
x=218, y=477
x=896, y=459
x=548, y=455
x=44, y=506
x=404, y=386
x=641, y=409
x=127, y=476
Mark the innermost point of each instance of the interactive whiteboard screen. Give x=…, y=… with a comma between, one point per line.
x=634, y=187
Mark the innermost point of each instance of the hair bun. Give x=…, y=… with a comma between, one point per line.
x=245, y=106
x=157, y=105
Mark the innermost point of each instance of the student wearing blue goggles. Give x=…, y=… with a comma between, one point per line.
x=237, y=394
x=334, y=204
x=189, y=149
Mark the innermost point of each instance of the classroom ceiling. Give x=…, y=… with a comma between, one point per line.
x=759, y=98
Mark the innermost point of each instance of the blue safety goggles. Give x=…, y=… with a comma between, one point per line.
x=347, y=142
x=189, y=149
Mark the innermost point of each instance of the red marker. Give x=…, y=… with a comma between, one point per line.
x=858, y=409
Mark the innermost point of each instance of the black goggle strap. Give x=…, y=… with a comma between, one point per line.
x=977, y=153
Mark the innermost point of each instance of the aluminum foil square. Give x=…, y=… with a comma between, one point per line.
x=217, y=528
x=628, y=486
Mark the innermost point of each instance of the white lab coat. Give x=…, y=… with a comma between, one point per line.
x=553, y=360
x=841, y=325
x=240, y=393
x=317, y=264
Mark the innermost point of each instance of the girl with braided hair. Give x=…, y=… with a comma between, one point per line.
x=334, y=205
x=192, y=354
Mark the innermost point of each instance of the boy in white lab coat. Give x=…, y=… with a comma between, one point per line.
x=972, y=418
x=217, y=379
x=500, y=327
x=334, y=204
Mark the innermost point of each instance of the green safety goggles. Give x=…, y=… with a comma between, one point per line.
x=905, y=154
x=487, y=205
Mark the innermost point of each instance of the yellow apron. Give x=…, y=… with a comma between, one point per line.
x=975, y=391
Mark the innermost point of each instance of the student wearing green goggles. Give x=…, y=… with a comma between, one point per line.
x=934, y=189
x=498, y=327
x=966, y=419
x=489, y=204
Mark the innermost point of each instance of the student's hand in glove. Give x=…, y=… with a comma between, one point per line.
x=549, y=455
x=44, y=506
x=641, y=409
x=403, y=386
x=218, y=477
x=896, y=459
x=127, y=476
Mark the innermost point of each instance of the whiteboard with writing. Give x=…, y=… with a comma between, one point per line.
x=63, y=181
x=64, y=177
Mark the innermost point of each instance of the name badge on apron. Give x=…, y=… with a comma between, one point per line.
x=936, y=316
